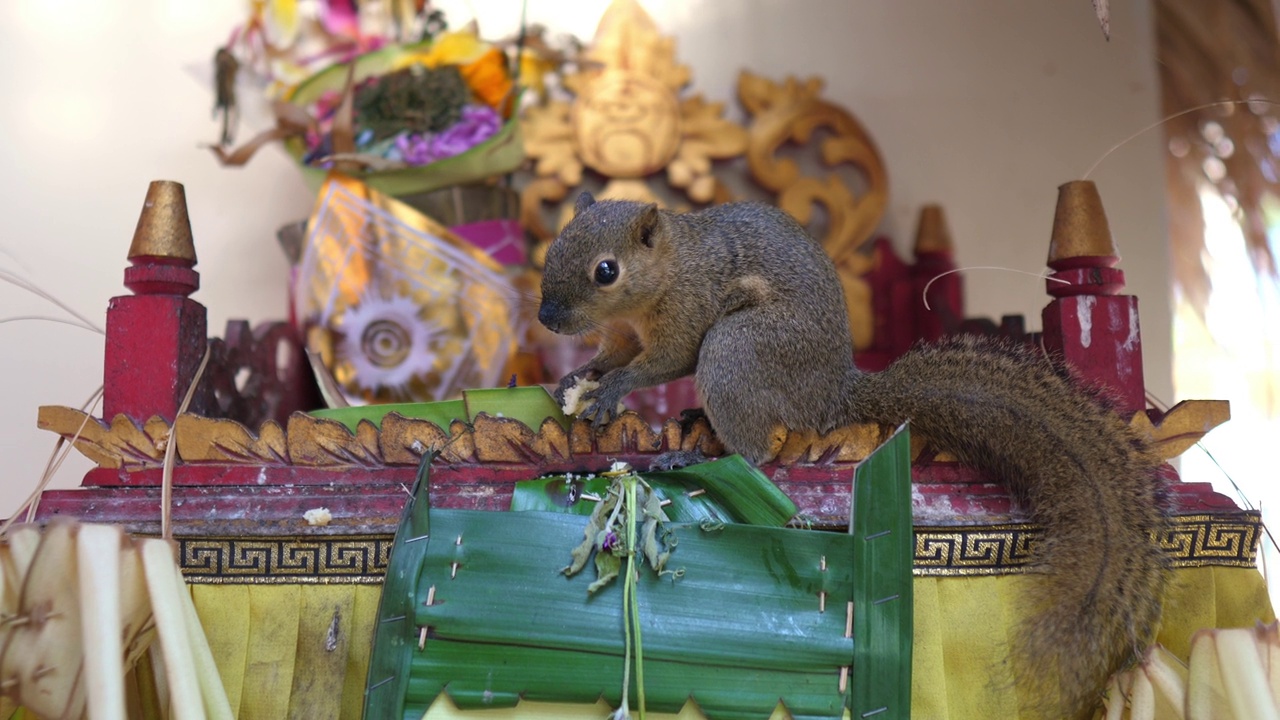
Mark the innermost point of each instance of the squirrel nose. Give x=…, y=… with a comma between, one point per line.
x=551, y=315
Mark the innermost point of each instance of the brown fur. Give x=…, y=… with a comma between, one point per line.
x=740, y=296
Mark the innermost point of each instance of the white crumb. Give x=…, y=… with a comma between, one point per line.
x=318, y=516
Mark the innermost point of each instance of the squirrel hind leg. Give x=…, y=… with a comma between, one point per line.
x=745, y=391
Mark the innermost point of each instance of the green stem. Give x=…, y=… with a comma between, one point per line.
x=626, y=627
x=632, y=612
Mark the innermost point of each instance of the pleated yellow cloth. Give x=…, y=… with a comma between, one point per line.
x=301, y=651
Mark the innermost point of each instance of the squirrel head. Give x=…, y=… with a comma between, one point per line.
x=608, y=263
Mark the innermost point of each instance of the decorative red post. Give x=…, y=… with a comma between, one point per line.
x=157, y=335
x=935, y=256
x=1089, y=322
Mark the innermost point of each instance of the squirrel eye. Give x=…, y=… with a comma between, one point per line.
x=606, y=272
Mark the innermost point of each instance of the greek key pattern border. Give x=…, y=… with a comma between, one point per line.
x=1190, y=541
x=349, y=559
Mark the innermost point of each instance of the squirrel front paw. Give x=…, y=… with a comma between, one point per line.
x=568, y=382
x=603, y=404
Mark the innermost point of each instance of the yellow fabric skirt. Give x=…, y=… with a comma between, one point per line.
x=302, y=651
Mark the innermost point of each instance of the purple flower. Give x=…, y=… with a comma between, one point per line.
x=414, y=149
x=610, y=539
x=478, y=123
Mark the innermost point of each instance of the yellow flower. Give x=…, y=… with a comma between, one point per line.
x=452, y=48
x=483, y=66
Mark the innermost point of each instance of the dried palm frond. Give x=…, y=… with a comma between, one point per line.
x=80, y=607
x=1221, y=59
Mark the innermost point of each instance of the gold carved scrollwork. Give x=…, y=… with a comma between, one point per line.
x=629, y=125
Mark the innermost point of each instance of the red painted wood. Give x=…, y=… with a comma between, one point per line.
x=945, y=295
x=1095, y=329
x=375, y=504
x=154, y=345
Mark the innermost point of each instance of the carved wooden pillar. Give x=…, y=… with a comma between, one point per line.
x=1089, y=322
x=157, y=335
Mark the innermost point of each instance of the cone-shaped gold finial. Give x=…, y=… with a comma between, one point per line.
x=1080, y=226
x=164, y=230
x=932, y=234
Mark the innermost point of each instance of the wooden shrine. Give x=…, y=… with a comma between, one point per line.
x=287, y=596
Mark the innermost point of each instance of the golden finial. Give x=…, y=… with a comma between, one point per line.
x=932, y=233
x=1080, y=226
x=164, y=230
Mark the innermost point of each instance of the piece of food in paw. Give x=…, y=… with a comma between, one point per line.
x=575, y=403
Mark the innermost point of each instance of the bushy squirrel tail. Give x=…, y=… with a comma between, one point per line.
x=1084, y=475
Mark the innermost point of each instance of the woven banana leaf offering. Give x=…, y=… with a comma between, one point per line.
x=696, y=585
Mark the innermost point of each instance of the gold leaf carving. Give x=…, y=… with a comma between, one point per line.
x=790, y=112
x=531, y=199
x=117, y=444
x=549, y=141
x=671, y=433
x=502, y=440
x=315, y=442
x=702, y=438
x=628, y=433
x=1182, y=426
x=318, y=442
x=461, y=447
x=551, y=442
x=582, y=438
x=157, y=428
x=847, y=444
x=202, y=439
x=405, y=440
x=627, y=37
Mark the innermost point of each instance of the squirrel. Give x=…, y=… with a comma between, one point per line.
x=741, y=296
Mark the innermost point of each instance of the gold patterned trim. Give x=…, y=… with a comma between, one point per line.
x=347, y=560
x=1191, y=541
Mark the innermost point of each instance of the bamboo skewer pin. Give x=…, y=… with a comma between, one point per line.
x=422, y=632
x=822, y=594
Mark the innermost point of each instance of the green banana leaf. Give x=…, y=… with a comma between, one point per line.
x=530, y=405
x=735, y=491
x=740, y=626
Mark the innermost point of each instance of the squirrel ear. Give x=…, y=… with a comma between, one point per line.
x=584, y=201
x=647, y=224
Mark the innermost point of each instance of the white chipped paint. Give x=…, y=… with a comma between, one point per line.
x=262, y=476
x=1084, y=313
x=1131, y=342
x=935, y=507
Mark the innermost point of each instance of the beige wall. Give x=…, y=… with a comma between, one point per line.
x=985, y=107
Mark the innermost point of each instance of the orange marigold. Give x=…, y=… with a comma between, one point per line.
x=488, y=78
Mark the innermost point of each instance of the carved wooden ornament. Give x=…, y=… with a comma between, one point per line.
x=309, y=441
